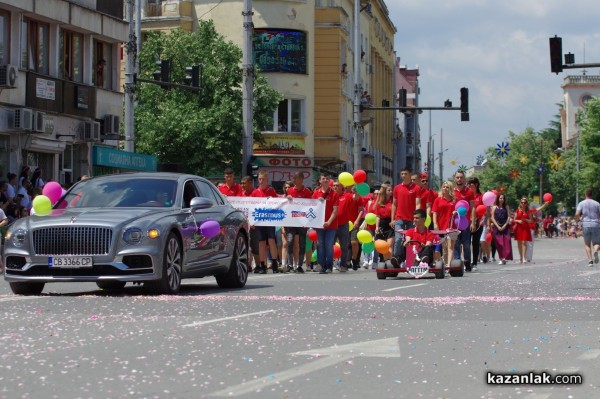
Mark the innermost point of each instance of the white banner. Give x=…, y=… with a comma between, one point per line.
x=299, y=212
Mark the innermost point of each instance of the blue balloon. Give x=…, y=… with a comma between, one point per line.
x=462, y=211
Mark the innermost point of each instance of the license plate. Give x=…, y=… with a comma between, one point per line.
x=71, y=262
x=418, y=271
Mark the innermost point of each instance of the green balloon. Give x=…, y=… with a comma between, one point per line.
x=362, y=189
x=368, y=247
x=314, y=256
x=371, y=218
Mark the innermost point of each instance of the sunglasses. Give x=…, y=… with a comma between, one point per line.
x=424, y=181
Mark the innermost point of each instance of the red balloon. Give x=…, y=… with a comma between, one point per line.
x=488, y=237
x=330, y=183
x=495, y=192
x=547, y=197
x=337, y=252
x=360, y=176
x=481, y=210
x=312, y=235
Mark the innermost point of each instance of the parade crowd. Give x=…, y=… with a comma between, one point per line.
x=480, y=227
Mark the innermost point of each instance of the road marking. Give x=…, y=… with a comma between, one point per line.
x=406, y=286
x=386, y=348
x=240, y=316
x=590, y=354
x=19, y=298
x=538, y=396
x=589, y=273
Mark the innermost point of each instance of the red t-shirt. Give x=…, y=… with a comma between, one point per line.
x=423, y=238
x=246, y=194
x=467, y=195
x=342, y=216
x=426, y=197
x=385, y=211
x=443, y=208
x=234, y=191
x=267, y=192
x=304, y=192
x=331, y=200
x=406, y=200
x=353, y=206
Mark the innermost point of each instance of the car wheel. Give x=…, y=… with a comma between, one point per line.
x=237, y=275
x=27, y=288
x=172, y=268
x=111, y=285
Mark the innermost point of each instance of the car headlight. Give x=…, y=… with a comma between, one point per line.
x=133, y=235
x=17, y=237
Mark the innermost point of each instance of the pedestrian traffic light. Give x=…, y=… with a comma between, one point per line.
x=556, y=54
x=464, y=104
x=164, y=73
x=402, y=94
x=192, y=76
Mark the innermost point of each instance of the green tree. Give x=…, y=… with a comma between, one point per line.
x=201, y=131
x=590, y=146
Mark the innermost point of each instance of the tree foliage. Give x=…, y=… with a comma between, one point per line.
x=590, y=146
x=203, y=132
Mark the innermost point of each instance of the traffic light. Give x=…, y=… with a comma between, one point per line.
x=556, y=54
x=164, y=73
x=464, y=104
x=402, y=97
x=192, y=76
x=251, y=169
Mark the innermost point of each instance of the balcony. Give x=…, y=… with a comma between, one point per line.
x=582, y=80
x=168, y=14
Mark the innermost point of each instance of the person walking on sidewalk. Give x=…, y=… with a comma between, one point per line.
x=589, y=211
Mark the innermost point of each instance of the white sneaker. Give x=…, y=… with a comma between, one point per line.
x=500, y=262
x=474, y=268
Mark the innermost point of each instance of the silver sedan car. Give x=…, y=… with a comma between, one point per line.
x=139, y=227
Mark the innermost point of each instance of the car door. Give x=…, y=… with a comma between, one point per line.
x=217, y=244
x=189, y=224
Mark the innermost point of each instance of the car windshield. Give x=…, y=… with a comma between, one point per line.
x=121, y=193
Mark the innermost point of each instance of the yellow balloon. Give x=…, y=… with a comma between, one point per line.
x=428, y=221
x=346, y=179
x=350, y=226
x=370, y=218
x=364, y=237
x=42, y=205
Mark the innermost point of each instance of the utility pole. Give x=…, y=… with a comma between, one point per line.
x=138, y=33
x=247, y=86
x=441, y=154
x=129, y=73
x=357, y=149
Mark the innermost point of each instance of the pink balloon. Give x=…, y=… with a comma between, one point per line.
x=462, y=203
x=488, y=198
x=52, y=190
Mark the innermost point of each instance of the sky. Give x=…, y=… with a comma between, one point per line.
x=497, y=49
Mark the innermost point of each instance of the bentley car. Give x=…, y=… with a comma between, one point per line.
x=150, y=228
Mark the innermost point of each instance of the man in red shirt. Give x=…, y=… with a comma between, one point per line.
x=247, y=189
x=230, y=188
x=296, y=236
x=326, y=235
x=355, y=212
x=427, y=195
x=421, y=234
x=407, y=198
x=347, y=212
x=462, y=246
x=265, y=233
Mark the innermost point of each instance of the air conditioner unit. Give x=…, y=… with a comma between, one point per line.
x=8, y=76
x=39, y=122
x=89, y=131
x=21, y=119
x=111, y=124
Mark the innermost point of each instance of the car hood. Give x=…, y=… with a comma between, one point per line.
x=110, y=217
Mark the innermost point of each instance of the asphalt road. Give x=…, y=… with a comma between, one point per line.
x=313, y=336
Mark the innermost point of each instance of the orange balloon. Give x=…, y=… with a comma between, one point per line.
x=382, y=246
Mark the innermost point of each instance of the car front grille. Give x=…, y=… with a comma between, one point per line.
x=72, y=240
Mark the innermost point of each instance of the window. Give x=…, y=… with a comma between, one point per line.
x=289, y=116
x=208, y=192
x=66, y=165
x=71, y=56
x=103, y=61
x=4, y=37
x=34, y=46
x=189, y=193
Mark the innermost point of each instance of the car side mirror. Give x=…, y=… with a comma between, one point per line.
x=198, y=203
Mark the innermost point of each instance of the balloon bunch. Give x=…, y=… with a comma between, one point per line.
x=461, y=221
x=358, y=179
x=51, y=194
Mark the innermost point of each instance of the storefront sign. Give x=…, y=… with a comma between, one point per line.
x=45, y=89
x=284, y=161
x=283, y=144
x=103, y=156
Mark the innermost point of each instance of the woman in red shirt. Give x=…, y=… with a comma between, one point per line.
x=383, y=211
x=443, y=210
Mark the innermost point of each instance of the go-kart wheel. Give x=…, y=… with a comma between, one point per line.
x=440, y=274
x=460, y=271
x=381, y=275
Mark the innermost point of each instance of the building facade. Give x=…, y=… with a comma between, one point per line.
x=305, y=50
x=60, y=97
x=408, y=152
x=577, y=90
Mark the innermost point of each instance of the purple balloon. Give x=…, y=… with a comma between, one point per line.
x=210, y=228
x=461, y=223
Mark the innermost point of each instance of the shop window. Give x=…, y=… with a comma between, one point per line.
x=71, y=56
x=4, y=37
x=35, y=46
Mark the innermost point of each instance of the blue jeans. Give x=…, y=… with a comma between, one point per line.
x=326, y=240
x=399, y=249
x=464, y=239
x=343, y=236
